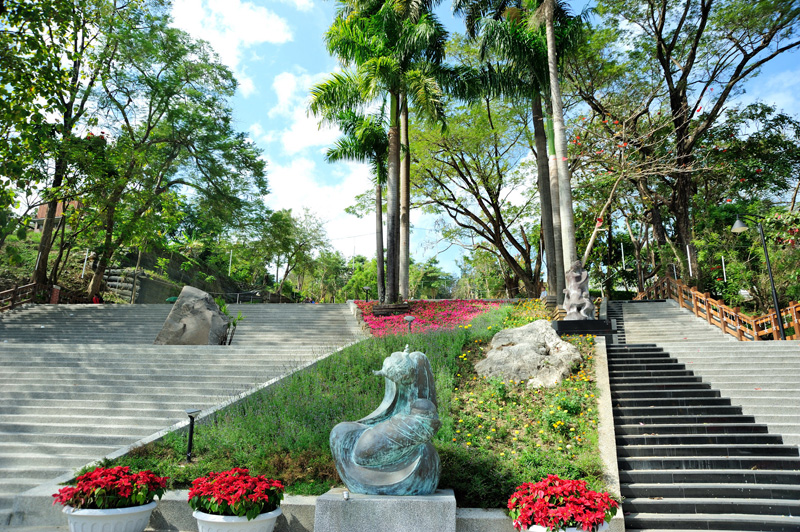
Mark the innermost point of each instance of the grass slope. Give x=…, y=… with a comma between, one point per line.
x=495, y=435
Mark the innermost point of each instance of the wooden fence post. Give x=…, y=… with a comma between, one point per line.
x=793, y=310
x=707, y=296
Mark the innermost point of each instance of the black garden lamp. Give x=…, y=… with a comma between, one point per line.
x=192, y=413
x=739, y=227
x=409, y=319
x=366, y=293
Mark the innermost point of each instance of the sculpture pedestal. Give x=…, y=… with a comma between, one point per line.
x=396, y=513
x=595, y=327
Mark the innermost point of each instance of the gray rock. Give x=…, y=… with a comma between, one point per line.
x=195, y=319
x=532, y=353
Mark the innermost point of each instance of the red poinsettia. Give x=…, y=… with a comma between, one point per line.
x=116, y=487
x=235, y=492
x=557, y=504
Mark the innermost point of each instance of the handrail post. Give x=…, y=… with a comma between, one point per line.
x=13, y=296
x=774, y=317
x=707, y=297
x=793, y=310
x=739, y=334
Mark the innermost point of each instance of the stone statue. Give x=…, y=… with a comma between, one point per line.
x=577, y=302
x=389, y=452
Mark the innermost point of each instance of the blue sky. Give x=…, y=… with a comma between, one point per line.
x=276, y=50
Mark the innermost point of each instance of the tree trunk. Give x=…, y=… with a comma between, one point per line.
x=46, y=243
x=564, y=186
x=393, y=203
x=381, y=288
x=683, y=226
x=107, y=250
x=405, y=200
x=555, y=201
x=543, y=181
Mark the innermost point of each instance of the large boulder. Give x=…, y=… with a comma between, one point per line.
x=195, y=319
x=533, y=353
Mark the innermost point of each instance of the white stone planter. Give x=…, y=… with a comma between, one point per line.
x=225, y=523
x=133, y=519
x=537, y=528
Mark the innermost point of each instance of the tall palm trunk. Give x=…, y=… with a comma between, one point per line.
x=405, y=199
x=555, y=203
x=393, y=202
x=564, y=187
x=543, y=171
x=381, y=288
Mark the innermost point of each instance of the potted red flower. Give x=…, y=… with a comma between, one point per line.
x=112, y=499
x=235, y=500
x=553, y=504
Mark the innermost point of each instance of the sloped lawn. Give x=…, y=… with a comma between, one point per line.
x=495, y=435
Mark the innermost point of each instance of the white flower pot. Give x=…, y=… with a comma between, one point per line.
x=537, y=528
x=133, y=519
x=226, y=523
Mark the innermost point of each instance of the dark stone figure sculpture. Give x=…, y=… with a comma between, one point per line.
x=389, y=452
x=577, y=302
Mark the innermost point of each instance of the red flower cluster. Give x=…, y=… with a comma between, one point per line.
x=557, y=504
x=446, y=314
x=117, y=487
x=235, y=492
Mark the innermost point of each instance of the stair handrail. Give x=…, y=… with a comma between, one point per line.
x=14, y=297
x=730, y=319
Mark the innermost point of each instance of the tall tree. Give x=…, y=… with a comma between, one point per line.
x=376, y=41
x=365, y=140
x=545, y=14
x=78, y=40
x=695, y=54
x=168, y=95
x=472, y=176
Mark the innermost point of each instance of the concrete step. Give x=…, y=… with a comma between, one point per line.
x=82, y=381
x=706, y=450
x=641, y=521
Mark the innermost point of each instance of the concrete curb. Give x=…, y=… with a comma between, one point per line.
x=605, y=431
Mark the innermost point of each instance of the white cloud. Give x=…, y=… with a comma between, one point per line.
x=257, y=134
x=231, y=27
x=302, y=184
x=300, y=5
x=303, y=131
x=780, y=90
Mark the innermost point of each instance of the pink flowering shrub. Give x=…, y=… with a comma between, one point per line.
x=117, y=487
x=428, y=315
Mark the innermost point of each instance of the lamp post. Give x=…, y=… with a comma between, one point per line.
x=366, y=293
x=739, y=227
x=410, y=320
x=192, y=413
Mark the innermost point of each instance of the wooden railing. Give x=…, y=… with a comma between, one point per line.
x=17, y=296
x=729, y=319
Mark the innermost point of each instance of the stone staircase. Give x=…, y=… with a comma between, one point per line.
x=692, y=456
x=79, y=382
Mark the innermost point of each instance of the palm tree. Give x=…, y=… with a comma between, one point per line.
x=545, y=13
x=364, y=139
x=388, y=55
x=524, y=56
